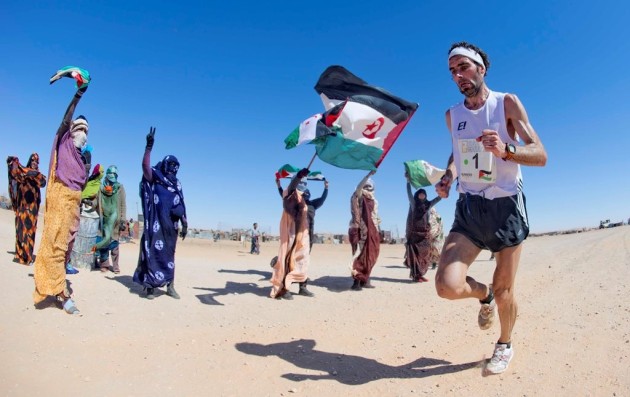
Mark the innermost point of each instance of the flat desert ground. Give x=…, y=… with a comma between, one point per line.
x=225, y=337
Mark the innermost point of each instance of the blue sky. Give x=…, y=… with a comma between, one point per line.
x=225, y=82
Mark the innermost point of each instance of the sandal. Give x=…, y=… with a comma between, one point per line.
x=70, y=308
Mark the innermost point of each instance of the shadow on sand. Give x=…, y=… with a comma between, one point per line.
x=342, y=284
x=263, y=275
x=333, y=283
x=396, y=267
x=404, y=280
x=230, y=288
x=127, y=281
x=348, y=369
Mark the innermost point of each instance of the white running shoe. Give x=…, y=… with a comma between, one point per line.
x=500, y=359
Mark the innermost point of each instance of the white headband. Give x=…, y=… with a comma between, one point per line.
x=467, y=53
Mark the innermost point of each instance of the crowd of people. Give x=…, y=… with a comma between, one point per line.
x=490, y=210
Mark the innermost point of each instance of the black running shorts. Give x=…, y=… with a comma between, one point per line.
x=492, y=224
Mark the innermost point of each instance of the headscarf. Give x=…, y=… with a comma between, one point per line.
x=79, y=131
x=168, y=168
x=28, y=171
x=112, y=174
x=86, y=153
x=369, y=185
x=421, y=206
x=301, y=186
x=110, y=182
x=418, y=192
x=94, y=182
x=34, y=157
x=79, y=124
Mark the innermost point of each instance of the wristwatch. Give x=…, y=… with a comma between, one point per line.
x=510, y=151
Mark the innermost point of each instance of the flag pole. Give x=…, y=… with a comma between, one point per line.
x=311, y=163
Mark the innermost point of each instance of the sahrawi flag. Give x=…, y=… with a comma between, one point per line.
x=360, y=125
x=289, y=171
x=421, y=173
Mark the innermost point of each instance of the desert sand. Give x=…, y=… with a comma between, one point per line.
x=225, y=337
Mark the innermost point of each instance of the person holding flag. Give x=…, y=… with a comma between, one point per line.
x=357, y=130
x=364, y=233
x=312, y=204
x=423, y=229
x=487, y=129
x=291, y=265
x=66, y=179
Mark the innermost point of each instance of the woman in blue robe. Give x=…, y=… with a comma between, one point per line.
x=163, y=208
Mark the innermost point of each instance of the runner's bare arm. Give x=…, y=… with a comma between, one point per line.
x=532, y=152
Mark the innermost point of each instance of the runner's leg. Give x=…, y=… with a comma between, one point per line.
x=503, y=287
x=451, y=279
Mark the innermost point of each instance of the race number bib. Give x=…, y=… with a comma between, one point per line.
x=476, y=165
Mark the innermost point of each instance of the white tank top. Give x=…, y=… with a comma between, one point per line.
x=467, y=125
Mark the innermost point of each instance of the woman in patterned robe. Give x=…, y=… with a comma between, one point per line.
x=364, y=233
x=66, y=179
x=24, y=189
x=292, y=262
x=163, y=208
x=424, y=229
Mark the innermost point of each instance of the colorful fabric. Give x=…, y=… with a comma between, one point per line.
x=81, y=76
x=306, y=132
x=24, y=189
x=69, y=166
x=94, y=182
x=112, y=213
x=360, y=125
x=79, y=124
x=312, y=206
x=112, y=174
x=293, y=254
x=163, y=207
x=103, y=256
x=365, y=239
x=423, y=248
x=66, y=180
x=60, y=218
x=422, y=174
x=108, y=209
x=437, y=234
x=289, y=171
x=364, y=233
